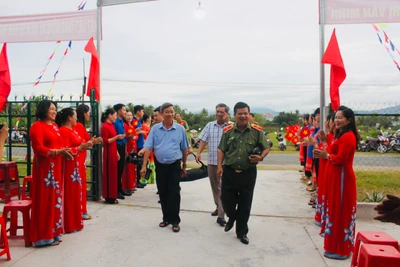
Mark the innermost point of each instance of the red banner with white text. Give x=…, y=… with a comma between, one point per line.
x=362, y=11
x=65, y=26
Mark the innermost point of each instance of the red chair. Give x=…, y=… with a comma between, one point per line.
x=4, y=240
x=379, y=238
x=9, y=181
x=372, y=255
x=24, y=206
x=27, y=195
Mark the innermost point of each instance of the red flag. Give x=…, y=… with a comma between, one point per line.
x=289, y=136
x=287, y=128
x=294, y=128
x=305, y=133
x=93, y=81
x=295, y=140
x=338, y=73
x=5, y=79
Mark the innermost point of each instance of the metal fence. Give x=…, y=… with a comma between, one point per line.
x=378, y=156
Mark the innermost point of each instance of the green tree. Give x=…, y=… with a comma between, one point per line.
x=285, y=118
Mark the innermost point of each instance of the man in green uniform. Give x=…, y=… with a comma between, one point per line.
x=238, y=151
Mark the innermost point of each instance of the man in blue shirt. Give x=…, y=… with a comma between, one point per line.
x=170, y=144
x=121, y=146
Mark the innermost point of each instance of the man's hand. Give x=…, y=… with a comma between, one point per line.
x=141, y=152
x=219, y=172
x=198, y=157
x=183, y=172
x=255, y=158
x=143, y=171
x=389, y=210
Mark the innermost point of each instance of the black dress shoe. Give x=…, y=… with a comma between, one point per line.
x=221, y=222
x=244, y=239
x=120, y=196
x=229, y=225
x=214, y=213
x=140, y=185
x=126, y=193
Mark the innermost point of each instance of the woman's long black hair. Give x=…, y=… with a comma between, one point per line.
x=348, y=113
x=105, y=114
x=80, y=112
x=63, y=115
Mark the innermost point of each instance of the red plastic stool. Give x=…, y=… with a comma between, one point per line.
x=366, y=237
x=372, y=255
x=25, y=195
x=4, y=240
x=13, y=207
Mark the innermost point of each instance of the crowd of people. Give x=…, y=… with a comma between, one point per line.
x=327, y=157
x=60, y=143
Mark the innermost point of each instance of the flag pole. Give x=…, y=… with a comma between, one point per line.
x=322, y=66
x=99, y=110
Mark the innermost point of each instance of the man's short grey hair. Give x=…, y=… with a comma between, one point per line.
x=164, y=106
x=222, y=105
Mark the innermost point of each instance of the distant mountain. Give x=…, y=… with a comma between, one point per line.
x=383, y=111
x=264, y=110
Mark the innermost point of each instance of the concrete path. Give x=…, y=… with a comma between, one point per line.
x=282, y=232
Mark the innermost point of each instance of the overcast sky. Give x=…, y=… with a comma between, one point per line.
x=263, y=52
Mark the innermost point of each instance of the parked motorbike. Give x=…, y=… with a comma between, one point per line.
x=394, y=140
x=18, y=137
x=281, y=140
x=268, y=139
x=384, y=143
x=194, y=139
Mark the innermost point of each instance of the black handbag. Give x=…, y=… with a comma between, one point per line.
x=196, y=174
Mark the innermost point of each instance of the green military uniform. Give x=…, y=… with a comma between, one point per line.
x=239, y=175
x=238, y=146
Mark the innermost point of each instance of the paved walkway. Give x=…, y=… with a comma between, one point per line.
x=282, y=232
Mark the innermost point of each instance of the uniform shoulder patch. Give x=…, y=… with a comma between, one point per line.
x=257, y=127
x=227, y=128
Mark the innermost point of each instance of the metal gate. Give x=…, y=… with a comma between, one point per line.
x=19, y=117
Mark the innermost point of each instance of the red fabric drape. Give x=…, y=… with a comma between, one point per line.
x=93, y=81
x=5, y=79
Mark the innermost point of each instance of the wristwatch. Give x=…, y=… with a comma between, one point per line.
x=184, y=165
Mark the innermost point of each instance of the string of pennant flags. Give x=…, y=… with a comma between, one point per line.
x=69, y=46
x=47, y=63
x=59, y=66
x=384, y=39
